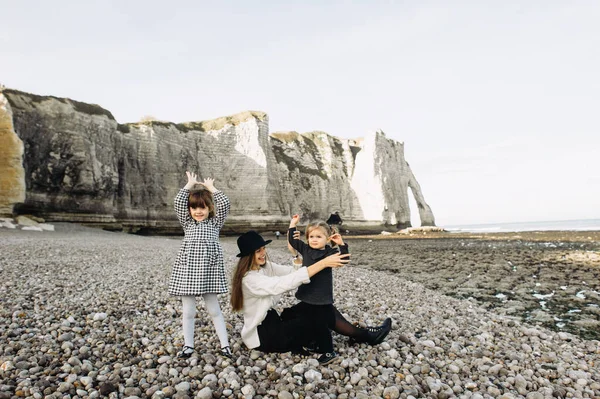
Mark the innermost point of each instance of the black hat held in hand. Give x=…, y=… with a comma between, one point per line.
x=249, y=242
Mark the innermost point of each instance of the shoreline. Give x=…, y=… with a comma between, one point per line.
x=539, y=235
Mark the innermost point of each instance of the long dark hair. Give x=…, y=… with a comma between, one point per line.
x=244, y=265
x=237, y=296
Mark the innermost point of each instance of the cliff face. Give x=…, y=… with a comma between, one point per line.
x=69, y=161
x=367, y=181
x=381, y=180
x=12, y=174
x=314, y=171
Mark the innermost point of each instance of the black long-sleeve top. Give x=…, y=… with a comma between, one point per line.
x=320, y=289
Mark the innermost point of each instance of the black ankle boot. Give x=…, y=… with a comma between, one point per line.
x=376, y=335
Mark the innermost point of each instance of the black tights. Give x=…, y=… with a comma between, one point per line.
x=340, y=325
x=344, y=327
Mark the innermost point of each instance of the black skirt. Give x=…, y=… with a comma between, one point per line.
x=298, y=326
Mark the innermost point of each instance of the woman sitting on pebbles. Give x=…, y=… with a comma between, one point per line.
x=255, y=289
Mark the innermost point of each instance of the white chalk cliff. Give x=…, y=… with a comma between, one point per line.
x=65, y=160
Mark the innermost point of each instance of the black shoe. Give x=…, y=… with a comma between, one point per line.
x=311, y=347
x=378, y=334
x=375, y=335
x=300, y=352
x=387, y=323
x=226, y=351
x=186, y=352
x=327, y=358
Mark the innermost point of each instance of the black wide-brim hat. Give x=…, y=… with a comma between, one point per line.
x=249, y=242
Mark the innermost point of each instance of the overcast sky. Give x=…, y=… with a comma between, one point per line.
x=497, y=102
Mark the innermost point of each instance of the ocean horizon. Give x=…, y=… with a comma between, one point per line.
x=558, y=225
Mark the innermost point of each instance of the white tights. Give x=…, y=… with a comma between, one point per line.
x=214, y=311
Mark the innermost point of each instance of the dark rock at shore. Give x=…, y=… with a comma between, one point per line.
x=547, y=278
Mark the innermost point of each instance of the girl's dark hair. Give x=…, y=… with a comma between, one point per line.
x=202, y=199
x=244, y=265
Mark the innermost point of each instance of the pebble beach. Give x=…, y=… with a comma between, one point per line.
x=85, y=314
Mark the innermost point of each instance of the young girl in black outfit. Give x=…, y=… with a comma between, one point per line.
x=317, y=296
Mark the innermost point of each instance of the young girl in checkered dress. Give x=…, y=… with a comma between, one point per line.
x=199, y=269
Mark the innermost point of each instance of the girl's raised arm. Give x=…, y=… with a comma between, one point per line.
x=181, y=199
x=222, y=203
x=296, y=243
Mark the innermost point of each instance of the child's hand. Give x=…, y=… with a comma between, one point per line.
x=192, y=177
x=192, y=180
x=295, y=220
x=296, y=235
x=337, y=238
x=209, y=184
x=336, y=260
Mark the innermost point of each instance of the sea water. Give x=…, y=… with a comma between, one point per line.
x=560, y=225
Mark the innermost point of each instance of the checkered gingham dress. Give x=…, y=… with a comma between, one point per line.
x=199, y=267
